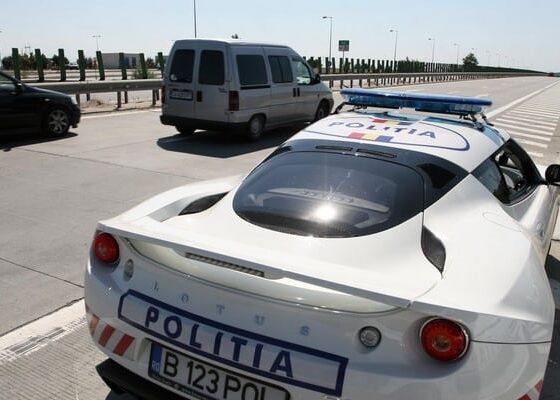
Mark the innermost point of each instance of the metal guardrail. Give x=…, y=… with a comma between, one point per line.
x=154, y=85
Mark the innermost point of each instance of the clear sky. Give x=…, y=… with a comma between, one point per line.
x=525, y=33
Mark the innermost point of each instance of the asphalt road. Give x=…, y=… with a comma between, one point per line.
x=54, y=191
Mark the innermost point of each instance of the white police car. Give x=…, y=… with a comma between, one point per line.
x=374, y=255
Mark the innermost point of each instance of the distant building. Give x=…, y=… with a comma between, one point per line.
x=111, y=60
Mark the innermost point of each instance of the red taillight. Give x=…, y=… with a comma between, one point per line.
x=444, y=340
x=106, y=248
x=233, y=100
x=163, y=94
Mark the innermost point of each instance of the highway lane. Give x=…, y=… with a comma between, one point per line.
x=53, y=193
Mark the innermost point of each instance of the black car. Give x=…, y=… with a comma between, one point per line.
x=23, y=107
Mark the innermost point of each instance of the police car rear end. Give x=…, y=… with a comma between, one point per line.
x=306, y=279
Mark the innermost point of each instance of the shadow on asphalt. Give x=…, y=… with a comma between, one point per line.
x=224, y=144
x=9, y=140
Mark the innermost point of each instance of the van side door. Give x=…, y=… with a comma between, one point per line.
x=283, y=93
x=212, y=90
x=180, y=83
x=253, y=79
x=308, y=97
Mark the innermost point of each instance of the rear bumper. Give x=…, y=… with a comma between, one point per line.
x=201, y=123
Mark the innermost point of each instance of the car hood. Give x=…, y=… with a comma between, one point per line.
x=49, y=93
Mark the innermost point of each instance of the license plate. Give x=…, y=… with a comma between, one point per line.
x=181, y=94
x=205, y=381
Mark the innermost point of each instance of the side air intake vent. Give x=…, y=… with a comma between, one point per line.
x=433, y=249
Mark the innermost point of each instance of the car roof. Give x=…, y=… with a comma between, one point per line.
x=458, y=141
x=233, y=42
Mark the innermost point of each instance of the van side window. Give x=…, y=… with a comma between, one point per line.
x=281, y=69
x=182, y=66
x=303, y=74
x=211, y=71
x=251, y=70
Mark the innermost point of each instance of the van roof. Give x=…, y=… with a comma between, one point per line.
x=234, y=42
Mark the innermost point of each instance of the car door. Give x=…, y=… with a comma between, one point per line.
x=212, y=89
x=283, y=92
x=180, y=82
x=526, y=197
x=15, y=108
x=307, y=95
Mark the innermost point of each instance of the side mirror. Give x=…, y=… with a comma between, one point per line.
x=552, y=175
x=317, y=79
x=19, y=87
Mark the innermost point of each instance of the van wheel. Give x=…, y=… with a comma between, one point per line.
x=255, y=128
x=322, y=111
x=185, y=130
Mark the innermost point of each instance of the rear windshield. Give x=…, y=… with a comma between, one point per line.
x=182, y=66
x=326, y=194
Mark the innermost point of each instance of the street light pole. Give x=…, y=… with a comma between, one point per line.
x=458, y=47
x=330, y=40
x=194, y=9
x=433, y=47
x=499, y=55
x=0, y=57
x=396, y=39
x=488, y=53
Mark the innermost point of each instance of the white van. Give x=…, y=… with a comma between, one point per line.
x=241, y=86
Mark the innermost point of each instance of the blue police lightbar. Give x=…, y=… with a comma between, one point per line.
x=418, y=101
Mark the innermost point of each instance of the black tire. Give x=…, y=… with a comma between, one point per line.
x=322, y=111
x=56, y=122
x=185, y=130
x=255, y=127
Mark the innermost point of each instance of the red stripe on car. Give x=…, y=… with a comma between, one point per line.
x=123, y=345
x=106, y=335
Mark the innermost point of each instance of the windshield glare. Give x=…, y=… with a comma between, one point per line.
x=326, y=194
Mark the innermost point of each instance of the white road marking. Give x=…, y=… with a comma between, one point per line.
x=539, y=108
x=527, y=135
x=524, y=122
x=520, y=100
x=114, y=114
x=538, y=112
x=516, y=127
x=533, y=115
x=41, y=332
x=531, y=143
x=453, y=92
x=535, y=154
x=482, y=95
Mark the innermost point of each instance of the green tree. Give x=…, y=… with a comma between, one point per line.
x=150, y=63
x=8, y=62
x=470, y=60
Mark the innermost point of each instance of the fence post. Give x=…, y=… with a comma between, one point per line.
x=100, y=66
x=39, y=61
x=327, y=65
x=62, y=65
x=82, y=65
x=122, y=66
x=161, y=62
x=143, y=66
x=17, y=65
